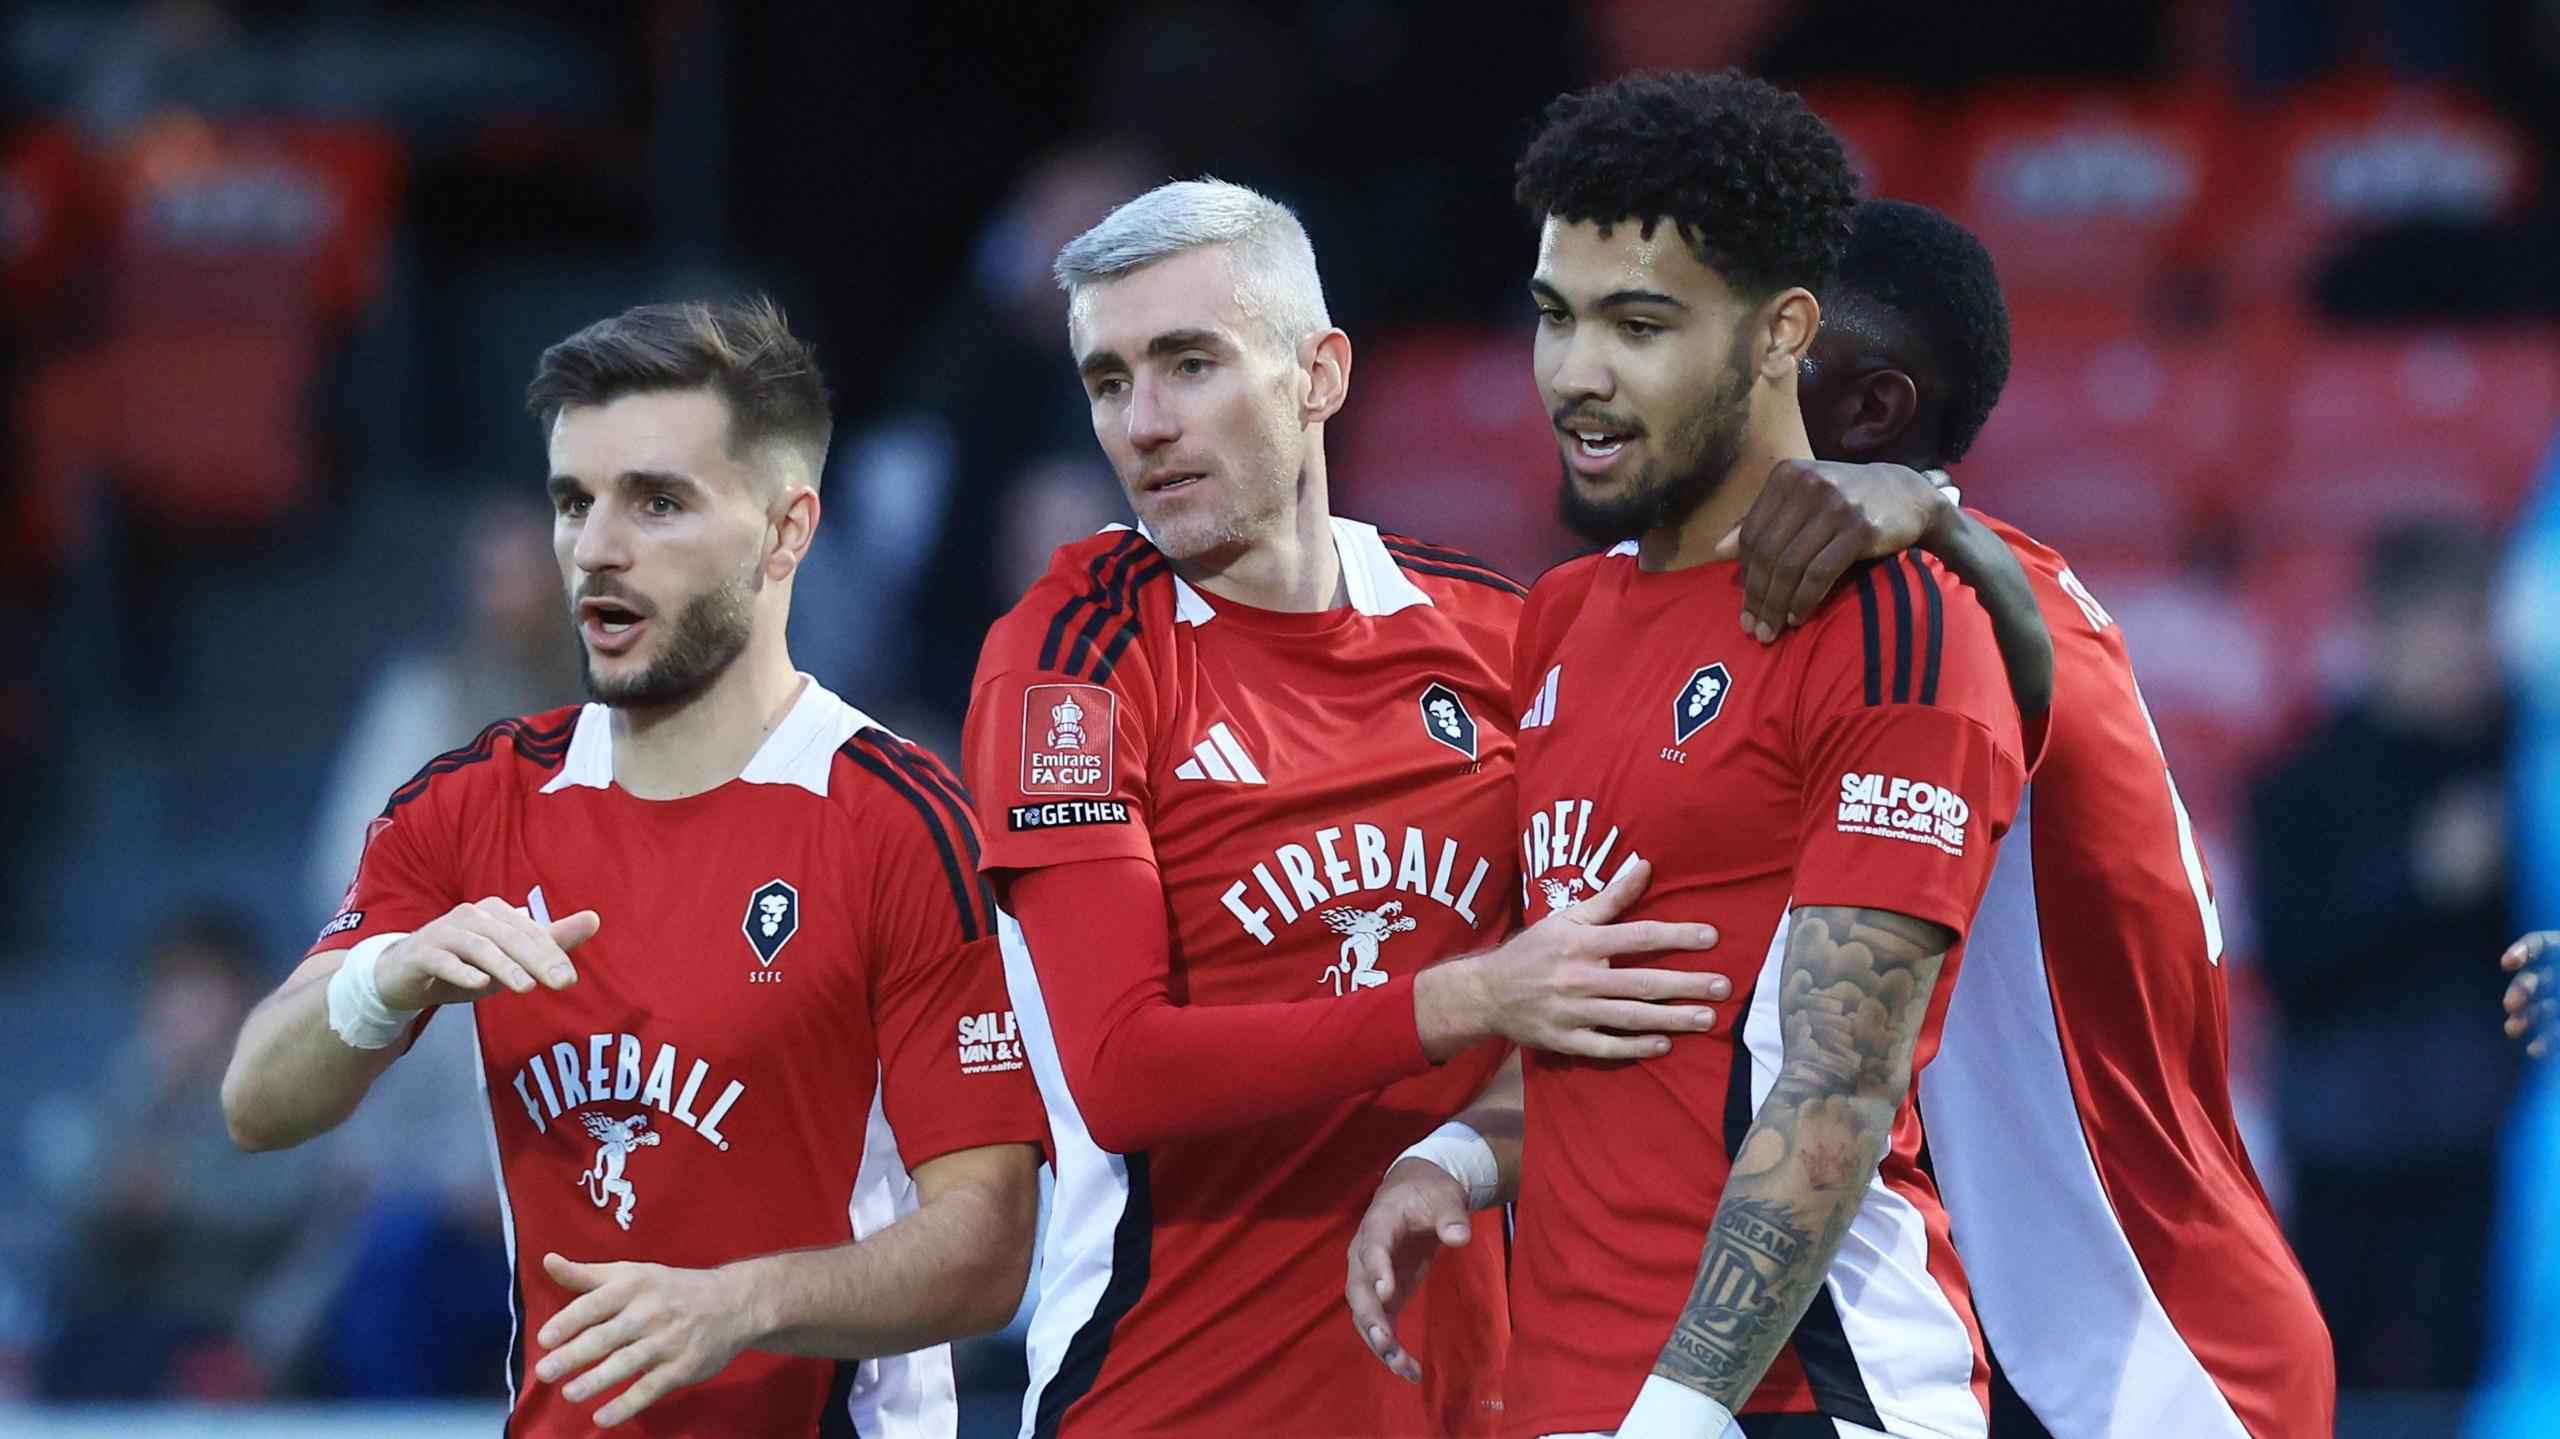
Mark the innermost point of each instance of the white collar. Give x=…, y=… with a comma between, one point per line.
x=801, y=750
x=1371, y=578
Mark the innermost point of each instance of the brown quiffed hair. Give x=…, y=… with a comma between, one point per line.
x=742, y=350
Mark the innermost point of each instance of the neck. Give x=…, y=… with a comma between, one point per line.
x=705, y=742
x=1774, y=432
x=1291, y=567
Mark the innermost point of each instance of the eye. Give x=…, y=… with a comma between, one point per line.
x=1635, y=329
x=1110, y=387
x=575, y=506
x=1553, y=317
x=661, y=505
x=1191, y=365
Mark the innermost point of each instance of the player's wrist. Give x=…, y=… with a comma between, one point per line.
x=358, y=1012
x=1458, y=1151
x=1668, y=1409
x=1451, y=1010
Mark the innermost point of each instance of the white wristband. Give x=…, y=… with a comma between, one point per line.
x=1667, y=1410
x=1464, y=1156
x=356, y=1011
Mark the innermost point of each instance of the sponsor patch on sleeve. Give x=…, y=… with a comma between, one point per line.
x=1892, y=807
x=1066, y=740
x=1066, y=814
x=347, y=919
x=990, y=1043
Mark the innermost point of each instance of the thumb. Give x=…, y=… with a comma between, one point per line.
x=1730, y=547
x=577, y=929
x=575, y=1277
x=1614, y=897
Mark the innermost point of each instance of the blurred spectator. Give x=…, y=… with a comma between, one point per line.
x=2382, y=883
x=177, y=1237
x=511, y=654
x=2522, y=1393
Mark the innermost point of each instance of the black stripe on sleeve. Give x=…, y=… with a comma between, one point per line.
x=1830, y=1365
x=1868, y=625
x=1448, y=565
x=1131, y=627
x=1115, y=601
x=963, y=883
x=1131, y=1242
x=1066, y=614
x=836, y=1420
x=544, y=747
x=1901, y=631
x=937, y=780
x=1937, y=632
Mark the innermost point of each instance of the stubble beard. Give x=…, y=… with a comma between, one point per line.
x=1667, y=492
x=707, y=636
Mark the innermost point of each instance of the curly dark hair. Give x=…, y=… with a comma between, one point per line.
x=1934, y=279
x=1757, y=184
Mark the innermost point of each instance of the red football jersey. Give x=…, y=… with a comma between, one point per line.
x=1869, y=759
x=2129, y=1273
x=795, y=996
x=1327, y=798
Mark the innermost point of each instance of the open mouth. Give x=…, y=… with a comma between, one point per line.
x=1599, y=445
x=609, y=625
x=1167, y=484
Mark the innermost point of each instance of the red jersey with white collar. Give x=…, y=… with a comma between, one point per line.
x=1871, y=758
x=795, y=996
x=1327, y=800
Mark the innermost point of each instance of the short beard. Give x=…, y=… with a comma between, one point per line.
x=1712, y=432
x=706, y=637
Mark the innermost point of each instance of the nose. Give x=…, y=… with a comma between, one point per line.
x=603, y=543
x=1153, y=422
x=1582, y=372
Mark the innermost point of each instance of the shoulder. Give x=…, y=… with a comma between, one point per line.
x=1912, y=633
x=1452, y=575
x=1086, y=611
x=906, y=806
x=522, y=752
x=1559, y=593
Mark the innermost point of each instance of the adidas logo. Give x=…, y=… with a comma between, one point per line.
x=1542, y=710
x=1220, y=757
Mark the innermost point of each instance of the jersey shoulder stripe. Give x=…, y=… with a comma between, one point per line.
x=879, y=754
x=1452, y=564
x=1084, y=596
x=542, y=740
x=1910, y=599
x=1103, y=605
x=936, y=778
x=1119, y=618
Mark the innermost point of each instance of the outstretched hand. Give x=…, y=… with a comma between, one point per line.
x=2533, y=996
x=668, y=1327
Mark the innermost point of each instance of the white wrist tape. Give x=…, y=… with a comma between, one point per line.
x=1464, y=1156
x=356, y=1011
x=1665, y=1410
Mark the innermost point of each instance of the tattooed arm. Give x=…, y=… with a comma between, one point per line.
x=1852, y=994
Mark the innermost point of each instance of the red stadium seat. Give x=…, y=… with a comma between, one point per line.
x=2355, y=153
x=1445, y=439
x=2087, y=199
x=2109, y=440
x=1880, y=126
x=2379, y=424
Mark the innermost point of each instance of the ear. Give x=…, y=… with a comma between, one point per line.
x=1324, y=360
x=793, y=521
x=1795, y=317
x=1881, y=406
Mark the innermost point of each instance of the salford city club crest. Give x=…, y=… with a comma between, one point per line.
x=1445, y=718
x=1700, y=701
x=773, y=916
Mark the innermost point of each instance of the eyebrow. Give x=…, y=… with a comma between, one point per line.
x=561, y=486
x=1170, y=342
x=1615, y=299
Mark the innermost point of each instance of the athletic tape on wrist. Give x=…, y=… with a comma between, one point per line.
x=1668, y=1410
x=356, y=1011
x=1461, y=1153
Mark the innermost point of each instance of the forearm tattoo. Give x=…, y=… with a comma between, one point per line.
x=1852, y=993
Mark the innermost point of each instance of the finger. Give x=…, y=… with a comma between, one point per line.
x=619, y=1364
x=1655, y=986
x=1823, y=574
x=450, y=970
x=652, y=1387
x=573, y=1276
x=1636, y=1017
x=1764, y=558
x=1592, y=1044
x=1368, y=1287
x=1622, y=890
x=1649, y=936
x=1820, y=527
x=2519, y=993
x=2538, y=1048
x=577, y=929
x=612, y=1337
x=476, y=947
x=529, y=941
x=1445, y=1210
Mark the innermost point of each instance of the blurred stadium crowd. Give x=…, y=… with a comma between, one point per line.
x=272, y=275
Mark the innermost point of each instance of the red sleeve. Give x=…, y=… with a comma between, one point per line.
x=1058, y=767
x=953, y=1074
x=403, y=879
x=1146, y=1071
x=1909, y=742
